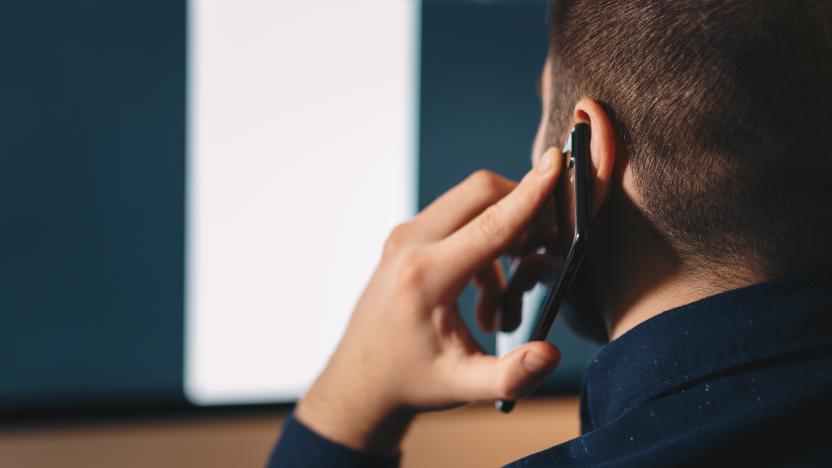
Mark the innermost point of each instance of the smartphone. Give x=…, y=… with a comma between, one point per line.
x=542, y=302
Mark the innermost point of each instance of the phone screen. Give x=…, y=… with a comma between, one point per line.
x=555, y=265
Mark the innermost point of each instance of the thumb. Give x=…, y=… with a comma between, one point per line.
x=508, y=377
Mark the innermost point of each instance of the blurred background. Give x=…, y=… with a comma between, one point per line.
x=193, y=194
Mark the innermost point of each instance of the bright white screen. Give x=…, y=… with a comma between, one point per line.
x=301, y=159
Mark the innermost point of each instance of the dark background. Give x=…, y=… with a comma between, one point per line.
x=92, y=207
x=92, y=174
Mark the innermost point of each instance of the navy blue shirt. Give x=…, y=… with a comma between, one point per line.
x=742, y=377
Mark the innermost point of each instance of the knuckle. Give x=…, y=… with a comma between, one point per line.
x=411, y=272
x=486, y=182
x=395, y=241
x=491, y=224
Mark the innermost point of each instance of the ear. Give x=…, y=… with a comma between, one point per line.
x=602, y=148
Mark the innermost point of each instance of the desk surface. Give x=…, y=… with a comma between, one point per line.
x=474, y=436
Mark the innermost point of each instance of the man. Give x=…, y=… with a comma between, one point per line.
x=707, y=272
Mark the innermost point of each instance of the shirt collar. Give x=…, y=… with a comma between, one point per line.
x=707, y=336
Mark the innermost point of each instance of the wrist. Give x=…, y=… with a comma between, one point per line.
x=354, y=416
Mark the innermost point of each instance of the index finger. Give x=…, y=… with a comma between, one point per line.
x=483, y=239
x=461, y=204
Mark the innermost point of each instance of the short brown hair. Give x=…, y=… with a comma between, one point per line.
x=725, y=111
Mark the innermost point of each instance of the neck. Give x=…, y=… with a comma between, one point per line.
x=670, y=291
x=645, y=275
x=650, y=275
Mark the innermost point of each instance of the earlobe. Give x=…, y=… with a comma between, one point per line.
x=602, y=148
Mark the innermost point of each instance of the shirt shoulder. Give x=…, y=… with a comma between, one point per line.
x=767, y=414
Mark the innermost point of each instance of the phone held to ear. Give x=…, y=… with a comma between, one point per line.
x=562, y=259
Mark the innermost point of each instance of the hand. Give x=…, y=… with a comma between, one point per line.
x=406, y=348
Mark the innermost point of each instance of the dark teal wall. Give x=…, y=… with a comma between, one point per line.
x=92, y=170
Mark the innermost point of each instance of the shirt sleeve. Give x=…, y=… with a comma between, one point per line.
x=299, y=446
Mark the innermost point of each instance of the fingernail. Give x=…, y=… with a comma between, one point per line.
x=544, y=162
x=536, y=363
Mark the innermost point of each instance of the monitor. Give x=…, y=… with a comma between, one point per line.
x=302, y=124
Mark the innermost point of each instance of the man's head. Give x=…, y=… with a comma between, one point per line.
x=716, y=117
